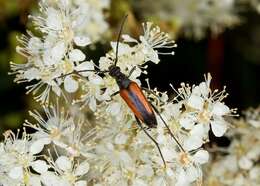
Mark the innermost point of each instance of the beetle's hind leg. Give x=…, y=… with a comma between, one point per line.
x=155, y=142
x=167, y=127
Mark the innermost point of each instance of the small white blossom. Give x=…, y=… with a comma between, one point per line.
x=53, y=55
x=17, y=159
x=238, y=165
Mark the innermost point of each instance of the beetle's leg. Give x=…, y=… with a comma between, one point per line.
x=169, y=130
x=78, y=72
x=131, y=71
x=114, y=94
x=155, y=142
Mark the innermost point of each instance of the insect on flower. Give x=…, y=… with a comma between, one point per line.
x=132, y=94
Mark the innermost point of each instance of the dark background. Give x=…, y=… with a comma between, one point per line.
x=233, y=59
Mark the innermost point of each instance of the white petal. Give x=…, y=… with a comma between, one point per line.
x=50, y=179
x=245, y=163
x=187, y=122
x=82, y=169
x=121, y=138
x=182, y=179
x=40, y=166
x=151, y=55
x=126, y=159
x=35, y=181
x=81, y=183
x=122, y=48
x=77, y=55
x=32, y=73
x=65, y=3
x=220, y=109
x=38, y=145
x=53, y=20
x=159, y=181
x=82, y=41
x=95, y=79
x=34, y=45
x=129, y=39
x=192, y=173
x=139, y=182
x=63, y=163
x=114, y=108
x=204, y=89
x=60, y=144
x=70, y=84
x=58, y=51
x=16, y=173
x=196, y=102
x=88, y=65
x=56, y=90
x=168, y=153
x=219, y=127
x=193, y=142
x=201, y=157
x=199, y=130
x=145, y=171
x=254, y=173
x=170, y=172
x=92, y=104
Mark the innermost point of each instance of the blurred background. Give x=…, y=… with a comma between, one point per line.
x=221, y=39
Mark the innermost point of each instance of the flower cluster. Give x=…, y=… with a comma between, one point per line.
x=132, y=60
x=239, y=163
x=115, y=150
x=65, y=26
x=93, y=138
x=24, y=162
x=191, y=17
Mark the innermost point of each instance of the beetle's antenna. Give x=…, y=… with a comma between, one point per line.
x=118, y=38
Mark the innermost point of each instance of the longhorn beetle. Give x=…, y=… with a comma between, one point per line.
x=132, y=94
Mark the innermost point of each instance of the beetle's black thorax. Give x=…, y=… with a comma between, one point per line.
x=122, y=80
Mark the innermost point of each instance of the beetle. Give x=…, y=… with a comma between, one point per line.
x=132, y=94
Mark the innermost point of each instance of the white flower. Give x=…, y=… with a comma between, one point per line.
x=54, y=129
x=203, y=106
x=68, y=172
x=152, y=40
x=237, y=162
x=52, y=56
x=17, y=159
